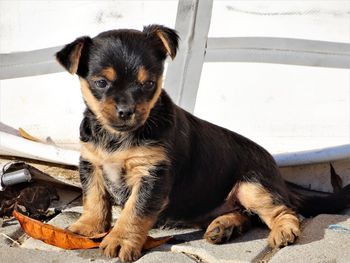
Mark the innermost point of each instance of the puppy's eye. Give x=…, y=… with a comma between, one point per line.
x=101, y=83
x=148, y=85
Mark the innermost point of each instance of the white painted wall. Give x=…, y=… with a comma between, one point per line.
x=282, y=107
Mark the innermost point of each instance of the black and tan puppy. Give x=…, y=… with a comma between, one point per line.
x=162, y=164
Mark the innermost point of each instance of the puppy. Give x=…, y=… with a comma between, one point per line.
x=161, y=163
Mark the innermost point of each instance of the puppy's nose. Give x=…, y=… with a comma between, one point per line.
x=125, y=112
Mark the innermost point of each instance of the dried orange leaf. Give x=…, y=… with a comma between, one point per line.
x=65, y=239
x=155, y=242
x=53, y=235
x=27, y=136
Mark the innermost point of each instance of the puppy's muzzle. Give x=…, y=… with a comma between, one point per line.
x=125, y=112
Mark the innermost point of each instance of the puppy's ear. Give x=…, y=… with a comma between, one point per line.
x=73, y=56
x=168, y=37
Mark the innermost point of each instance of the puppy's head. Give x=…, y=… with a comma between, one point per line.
x=121, y=72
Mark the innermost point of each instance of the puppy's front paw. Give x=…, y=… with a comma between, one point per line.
x=114, y=245
x=86, y=228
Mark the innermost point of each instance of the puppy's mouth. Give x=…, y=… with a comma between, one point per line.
x=124, y=127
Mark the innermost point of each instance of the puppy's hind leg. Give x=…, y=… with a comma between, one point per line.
x=226, y=227
x=283, y=221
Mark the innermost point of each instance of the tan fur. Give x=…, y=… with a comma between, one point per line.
x=165, y=43
x=142, y=75
x=108, y=109
x=129, y=233
x=96, y=217
x=90, y=100
x=109, y=73
x=75, y=57
x=146, y=107
x=136, y=161
x=283, y=222
x=94, y=105
x=221, y=228
x=157, y=93
x=105, y=110
x=130, y=157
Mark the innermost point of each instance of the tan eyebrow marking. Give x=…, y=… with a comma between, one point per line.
x=142, y=75
x=109, y=73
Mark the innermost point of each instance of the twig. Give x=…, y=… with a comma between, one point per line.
x=14, y=241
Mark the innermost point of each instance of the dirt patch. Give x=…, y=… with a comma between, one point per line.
x=64, y=173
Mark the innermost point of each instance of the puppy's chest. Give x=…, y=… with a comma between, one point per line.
x=115, y=179
x=123, y=169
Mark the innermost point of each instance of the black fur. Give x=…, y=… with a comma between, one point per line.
x=154, y=189
x=327, y=204
x=170, y=36
x=85, y=171
x=64, y=55
x=204, y=161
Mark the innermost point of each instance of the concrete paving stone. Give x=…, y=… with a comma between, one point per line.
x=76, y=206
x=15, y=255
x=6, y=241
x=190, y=241
x=318, y=243
x=67, y=195
x=64, y=219
x=247, y=248
x=164, y=257
x=9, y=231
x=153, y=256
x=67, y=217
